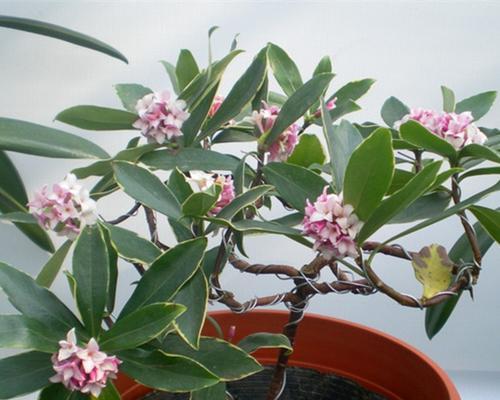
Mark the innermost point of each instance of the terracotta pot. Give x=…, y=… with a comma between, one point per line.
x=377, y=361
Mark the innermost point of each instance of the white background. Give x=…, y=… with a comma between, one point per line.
x=409, y=47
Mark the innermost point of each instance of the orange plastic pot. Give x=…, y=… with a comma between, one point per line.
x=377, y=361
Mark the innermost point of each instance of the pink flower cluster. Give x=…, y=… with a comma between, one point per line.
x=201, y=181
x=264, y=119
x=457, y=129
x=332, y=224
x=83, y=369
x=160, y=117
x=65, y=209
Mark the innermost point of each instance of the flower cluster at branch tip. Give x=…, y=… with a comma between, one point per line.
x=215, y=105
x=83, y=369
x=66, y=209
x=457, y=129
x=332, y=224
x=283, y=146
x=160, y=117
x=201, y=181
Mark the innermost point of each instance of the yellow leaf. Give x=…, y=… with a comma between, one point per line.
x=433, y=269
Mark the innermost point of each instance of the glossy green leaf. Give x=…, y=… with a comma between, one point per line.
x=167, y=274
x=295, y=184
x=221, y=358
x=91, y=272
x=61, y=33
x=341, y=140
x=140, y=326
x=168, y=372
x=443, y=177
x=131, y=247
x=113, y=271
x=145, y=187
x=19, y=216
x=198, y=116
x=18, y=332
x=416, y=134
x=48, y=273
x=109, y=392
x=186, y=68
x=233, y=135
x=343, y=109
x=35, y=301
x=260, y=96
x=324, y=65
x=170, y=69
x=284, y=69
x=215, y=392
x=369, y=173
x=199, y=204
x=130, y=94
x=189, y=159
x=393, y=110
x=96, y=118
x=57, y=391
x=264, y=340
x=298, y=103
x=276, y=98
x=10, y=180
x=448, y=99
x=352, y=91
x=29, y=138
x=10, y=206
x=400, y=200
x=194, y=295
x=307, y=152
x=427, y=206
x=240, y=95
x=489, y=219
x=24, y=373
x=448, y=212
x=400, y=178
x=480, y=152
x=478, y=105
x=480, y=172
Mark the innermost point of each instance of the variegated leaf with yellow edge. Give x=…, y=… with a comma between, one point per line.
x=433, y=269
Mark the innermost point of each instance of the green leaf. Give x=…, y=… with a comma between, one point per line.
x=416, y=134
x=478, y=105
x=264, y=340
x=130, y=94
x=341, y=140
x=221, y=358
x=307, y=152
x=186, y=68
x=427, y=206
x=131, y=246
x=433, y=269
x=298, y=103
x=57, y=391
x=284, y=69
x=437, y=315
x=448, y=99
x=240, y=95
x=448, y=212
x=19, y=216
x=324, y=65
x=200, y=203
x=10, y=180
x=140, y=326
x=198, y=116
x=400, y=178
x=194, y=295
x=443, y=177
x=393, y=110
x=481, y=152
x=50, y=270
x=168, y=372
x=167, y=274
x=113, y=271
x=24, y=373
x=369, y=173
x=145, y=187
x=20, y=332
x=35, y=301
x=96, y=118
x=480, y=172
x=489, y=219
x=215, y=392
x=255, y=226
x=189, y=159
x=29, y=138
x=10, y=206
x=342, y=109
x=352, y=91
x=239, y=203
x=295, y=184
x=91, y=272
x=233, y=135
x=61, y=33
x=400, y=200
x=109, y=393
x=276, y=98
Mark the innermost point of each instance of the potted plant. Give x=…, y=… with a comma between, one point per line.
x=336, y=182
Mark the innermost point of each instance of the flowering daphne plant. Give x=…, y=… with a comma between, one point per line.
x=336, y=183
